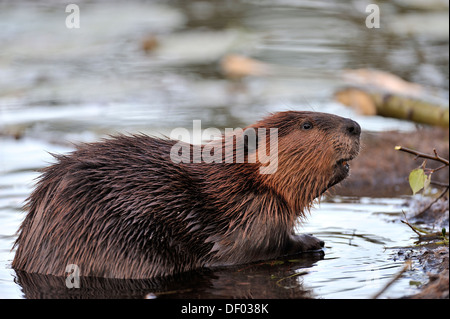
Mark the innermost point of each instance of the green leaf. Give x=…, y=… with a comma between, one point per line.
x=415, y=283
x=417, y=180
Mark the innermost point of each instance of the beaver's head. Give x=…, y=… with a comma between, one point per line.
x=314, y=151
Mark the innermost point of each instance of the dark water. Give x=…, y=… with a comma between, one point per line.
x=60, y=85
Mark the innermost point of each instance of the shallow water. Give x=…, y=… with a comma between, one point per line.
x=60, y=86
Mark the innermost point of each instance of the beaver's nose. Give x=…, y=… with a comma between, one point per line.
x=352, y=128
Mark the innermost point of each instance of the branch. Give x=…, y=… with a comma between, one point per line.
x=434, y=157
x=439, y=184
x=419, y=214
x=407, y=265
x=423, y=234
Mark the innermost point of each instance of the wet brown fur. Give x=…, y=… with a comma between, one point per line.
x=121, y=208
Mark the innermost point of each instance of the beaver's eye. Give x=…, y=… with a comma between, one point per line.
x=307, y=126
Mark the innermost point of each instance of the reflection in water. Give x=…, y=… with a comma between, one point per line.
x=271, y=279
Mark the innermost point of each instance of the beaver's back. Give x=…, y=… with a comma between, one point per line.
x=100, y=202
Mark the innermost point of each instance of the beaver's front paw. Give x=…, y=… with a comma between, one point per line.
x=304, y=242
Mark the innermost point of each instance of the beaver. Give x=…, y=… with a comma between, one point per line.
x=121, y=208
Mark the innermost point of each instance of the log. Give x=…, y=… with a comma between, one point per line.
x=395, y=106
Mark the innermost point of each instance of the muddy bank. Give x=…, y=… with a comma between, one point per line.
x=430, y=256
x=438, y=285
x=380, y=170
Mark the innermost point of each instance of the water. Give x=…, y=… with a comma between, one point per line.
x=60, y=86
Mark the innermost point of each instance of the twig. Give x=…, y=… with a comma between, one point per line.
x=414, y=229
x=432, y=202
x=439, y=184
x=423, y=234
x=438, y=168
x=434, y=157
x=406, y=266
